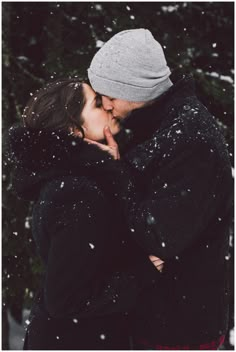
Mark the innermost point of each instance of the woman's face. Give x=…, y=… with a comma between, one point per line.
x=95, y=118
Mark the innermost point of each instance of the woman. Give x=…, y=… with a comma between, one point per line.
x=92, y=269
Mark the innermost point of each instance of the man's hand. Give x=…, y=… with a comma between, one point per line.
x=111, y=147
x=157, y=262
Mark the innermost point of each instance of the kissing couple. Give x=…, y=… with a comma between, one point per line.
x=132, y=188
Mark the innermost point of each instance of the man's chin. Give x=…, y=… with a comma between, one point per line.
x=116, y=130
x=121, y=118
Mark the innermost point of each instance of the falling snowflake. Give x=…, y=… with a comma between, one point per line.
x=98, y=7
x=150, y=220
x=99, y=43
x=27, y=223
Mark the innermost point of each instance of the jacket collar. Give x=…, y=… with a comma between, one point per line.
x=41, y=155
x=145, y=121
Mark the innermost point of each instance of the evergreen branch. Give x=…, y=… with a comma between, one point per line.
x=26, y=72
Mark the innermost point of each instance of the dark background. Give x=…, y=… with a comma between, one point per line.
x=47, y=40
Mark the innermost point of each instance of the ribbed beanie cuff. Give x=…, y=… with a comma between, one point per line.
x=126, y=91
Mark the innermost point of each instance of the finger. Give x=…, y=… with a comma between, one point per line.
x=158, y=262
x=160, y=268
x=90, y=141
x=153, y=258
x=113, y=151
x=109, y=138
x=99, y=145
x=157, y=265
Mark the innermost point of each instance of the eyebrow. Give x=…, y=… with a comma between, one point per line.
x=96, y=97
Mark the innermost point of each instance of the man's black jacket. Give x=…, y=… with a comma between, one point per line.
x=179, y=208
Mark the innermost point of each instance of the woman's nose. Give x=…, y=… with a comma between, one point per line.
x=107, y=103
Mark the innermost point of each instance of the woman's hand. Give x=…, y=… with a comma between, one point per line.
x=111, y=147
x=157, y=262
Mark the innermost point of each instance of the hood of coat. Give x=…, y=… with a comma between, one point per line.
x=40, y=155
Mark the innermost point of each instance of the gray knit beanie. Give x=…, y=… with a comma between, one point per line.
x=130, y=66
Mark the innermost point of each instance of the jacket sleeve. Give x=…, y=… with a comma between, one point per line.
x=170, y=216
x=78, y=241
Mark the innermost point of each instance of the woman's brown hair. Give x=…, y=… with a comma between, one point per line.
x=57, y=106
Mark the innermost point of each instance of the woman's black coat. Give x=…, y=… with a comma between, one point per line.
x=92, y=268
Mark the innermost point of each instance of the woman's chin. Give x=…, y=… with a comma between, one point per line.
x=114, y=131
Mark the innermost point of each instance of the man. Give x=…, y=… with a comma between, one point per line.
x=180, y=209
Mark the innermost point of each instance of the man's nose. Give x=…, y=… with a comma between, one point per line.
x=107, y=103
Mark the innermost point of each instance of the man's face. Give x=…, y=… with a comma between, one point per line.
x=119, y=108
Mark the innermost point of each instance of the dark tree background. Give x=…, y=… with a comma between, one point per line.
x=47, y=40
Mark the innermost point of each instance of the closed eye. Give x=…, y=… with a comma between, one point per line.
x=98, y=101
